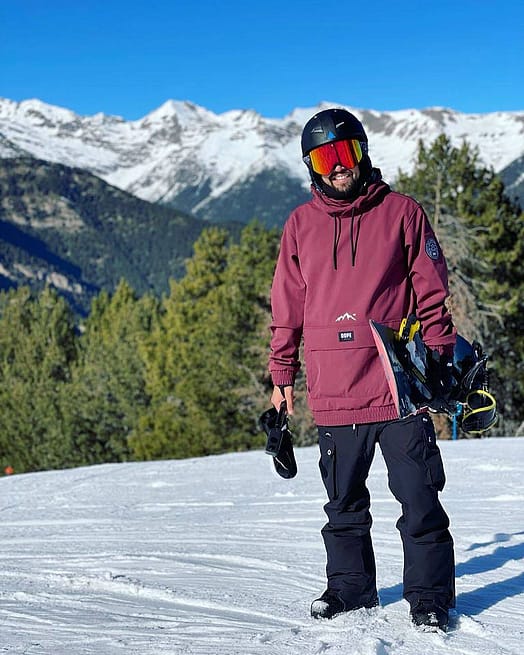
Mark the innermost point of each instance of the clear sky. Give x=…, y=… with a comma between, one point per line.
x=128, y=57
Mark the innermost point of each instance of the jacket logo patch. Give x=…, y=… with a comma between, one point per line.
x=346, y=336
x=432, y=249
x=346, y=317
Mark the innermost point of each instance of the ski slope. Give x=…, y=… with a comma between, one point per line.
x=219, y=556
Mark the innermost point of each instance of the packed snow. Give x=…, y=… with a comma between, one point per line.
x=220, y=556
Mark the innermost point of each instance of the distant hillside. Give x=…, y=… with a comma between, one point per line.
x=68, y=228
x=513, y=178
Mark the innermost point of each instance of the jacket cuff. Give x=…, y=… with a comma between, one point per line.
x=283, y=378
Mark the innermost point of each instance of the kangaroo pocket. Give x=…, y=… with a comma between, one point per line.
x=344, y=369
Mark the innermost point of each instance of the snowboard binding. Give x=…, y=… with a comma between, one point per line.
x=408, y=364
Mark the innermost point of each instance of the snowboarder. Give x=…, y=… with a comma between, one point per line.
x=359, y=251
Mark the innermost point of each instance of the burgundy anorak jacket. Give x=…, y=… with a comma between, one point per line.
x=340, y=264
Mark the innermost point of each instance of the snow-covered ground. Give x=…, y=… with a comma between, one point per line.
x=219, y=556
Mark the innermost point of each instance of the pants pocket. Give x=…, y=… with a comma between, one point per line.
x=327, y=463
x=432, y=456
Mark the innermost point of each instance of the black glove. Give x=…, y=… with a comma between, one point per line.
x=279, y=441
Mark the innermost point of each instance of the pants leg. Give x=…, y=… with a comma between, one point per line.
x=346, y=454
x=416, y=475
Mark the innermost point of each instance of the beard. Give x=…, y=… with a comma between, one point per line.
x=349, y=191
x=352, y=189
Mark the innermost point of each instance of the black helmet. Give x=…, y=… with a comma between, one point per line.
x=335, y=125
x=332, y=125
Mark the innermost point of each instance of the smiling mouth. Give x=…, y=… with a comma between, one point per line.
x=340, y=175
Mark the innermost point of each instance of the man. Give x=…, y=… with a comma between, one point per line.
x=359, y=251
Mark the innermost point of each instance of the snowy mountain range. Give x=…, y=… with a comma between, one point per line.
x=237, y=164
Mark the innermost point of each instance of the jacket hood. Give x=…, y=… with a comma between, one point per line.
x=370, y=196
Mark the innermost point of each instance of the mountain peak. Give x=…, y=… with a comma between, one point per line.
x=184, y=111
x=187, y=155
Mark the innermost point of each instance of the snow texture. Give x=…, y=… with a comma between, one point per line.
x=219, y=556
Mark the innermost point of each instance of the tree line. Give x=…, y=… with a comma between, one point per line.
x=185, y=375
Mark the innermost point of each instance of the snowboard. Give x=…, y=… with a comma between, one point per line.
x=406, y=361
x=403, y=357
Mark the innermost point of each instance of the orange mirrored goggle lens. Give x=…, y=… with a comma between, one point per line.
x=347, y=153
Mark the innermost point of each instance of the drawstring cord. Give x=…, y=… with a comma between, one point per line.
x=336, y=238
x=354, y=233
x=354, y=237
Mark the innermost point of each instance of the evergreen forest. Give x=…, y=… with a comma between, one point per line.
x=145, y=377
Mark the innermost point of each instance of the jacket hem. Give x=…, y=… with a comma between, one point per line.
x=357, y=416
x=282, y=378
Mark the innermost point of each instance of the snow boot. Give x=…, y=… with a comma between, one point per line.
x=429, y=616
x=331, y=603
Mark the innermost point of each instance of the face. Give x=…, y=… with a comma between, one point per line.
x=342, y=179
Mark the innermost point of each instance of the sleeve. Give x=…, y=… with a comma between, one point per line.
x=288, y=293
x=429, y=279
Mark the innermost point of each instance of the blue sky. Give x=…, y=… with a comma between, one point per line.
x=127, y=58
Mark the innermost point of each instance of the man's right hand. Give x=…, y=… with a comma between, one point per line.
x=283, y=393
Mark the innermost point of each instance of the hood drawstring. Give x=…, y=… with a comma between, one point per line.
x=336, y=237
x=354, y=237
x=337, y=224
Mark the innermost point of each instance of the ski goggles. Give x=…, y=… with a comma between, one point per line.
x=323, y=159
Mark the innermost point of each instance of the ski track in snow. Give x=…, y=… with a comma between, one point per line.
x=219, y=556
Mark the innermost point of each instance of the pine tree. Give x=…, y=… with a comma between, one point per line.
x=38, y=347
x=482, y=234
x=205, y=362
x=107, y=391
x=177, y=359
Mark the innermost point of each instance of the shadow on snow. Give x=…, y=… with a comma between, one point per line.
x=476, y=601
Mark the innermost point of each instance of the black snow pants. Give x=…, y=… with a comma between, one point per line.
x=415, y=476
